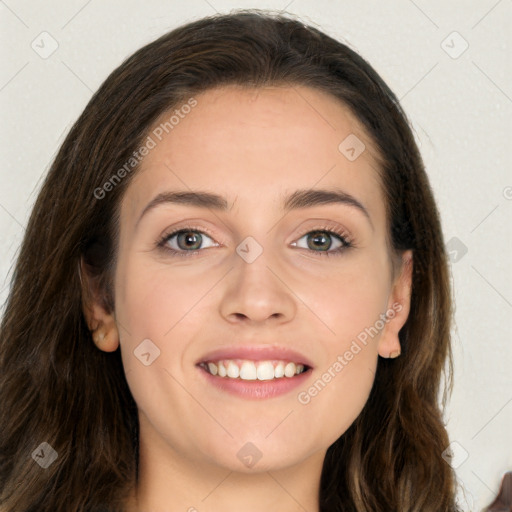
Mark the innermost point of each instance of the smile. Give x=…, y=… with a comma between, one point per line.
x=253, y=370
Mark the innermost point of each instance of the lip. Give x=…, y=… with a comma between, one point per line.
x=257, y=353
x=255, y=389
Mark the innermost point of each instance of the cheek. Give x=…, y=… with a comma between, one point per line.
x=350, y=298
x=162, y=305
x=338, y=394
x=149, y=306
x=154, y=298
x=344, y=380
x=350, y=303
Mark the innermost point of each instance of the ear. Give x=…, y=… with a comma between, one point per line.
x=399, y=304
x=100, y=321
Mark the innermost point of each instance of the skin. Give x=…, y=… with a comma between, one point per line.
x=253, y=146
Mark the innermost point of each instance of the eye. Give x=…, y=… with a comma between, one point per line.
x=321, y=241
x=184, y=241
x=188, y=241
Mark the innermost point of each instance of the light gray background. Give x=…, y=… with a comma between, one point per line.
x=460, y=107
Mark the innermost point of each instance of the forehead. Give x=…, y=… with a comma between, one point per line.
x=255, y=144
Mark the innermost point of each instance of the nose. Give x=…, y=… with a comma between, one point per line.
x=258, y=292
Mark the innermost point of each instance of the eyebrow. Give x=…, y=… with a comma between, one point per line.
x=305, y=198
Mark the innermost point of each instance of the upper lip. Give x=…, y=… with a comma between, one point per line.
x=256, y=353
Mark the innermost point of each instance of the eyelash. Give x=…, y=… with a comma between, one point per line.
x=344, y=238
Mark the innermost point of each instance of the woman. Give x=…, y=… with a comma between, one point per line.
x=233, y=290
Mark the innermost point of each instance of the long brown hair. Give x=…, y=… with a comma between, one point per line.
x=56, y=387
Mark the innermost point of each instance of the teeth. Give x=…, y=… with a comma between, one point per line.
x=233, y=370
x=289, y=370
x=213, y=368
x=265, y=370
x=279, y=370
x=249, y=370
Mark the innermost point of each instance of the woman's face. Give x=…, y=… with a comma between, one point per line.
x=261, y=279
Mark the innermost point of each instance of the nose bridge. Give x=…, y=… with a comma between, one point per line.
x=256, y=291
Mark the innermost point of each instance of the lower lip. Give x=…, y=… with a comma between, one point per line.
x=256, y=389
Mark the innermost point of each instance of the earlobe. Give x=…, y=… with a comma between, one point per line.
x=106, y=339
x=100, y=322
x=398, y=309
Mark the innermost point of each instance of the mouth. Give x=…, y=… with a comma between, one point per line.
x=254, y=370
